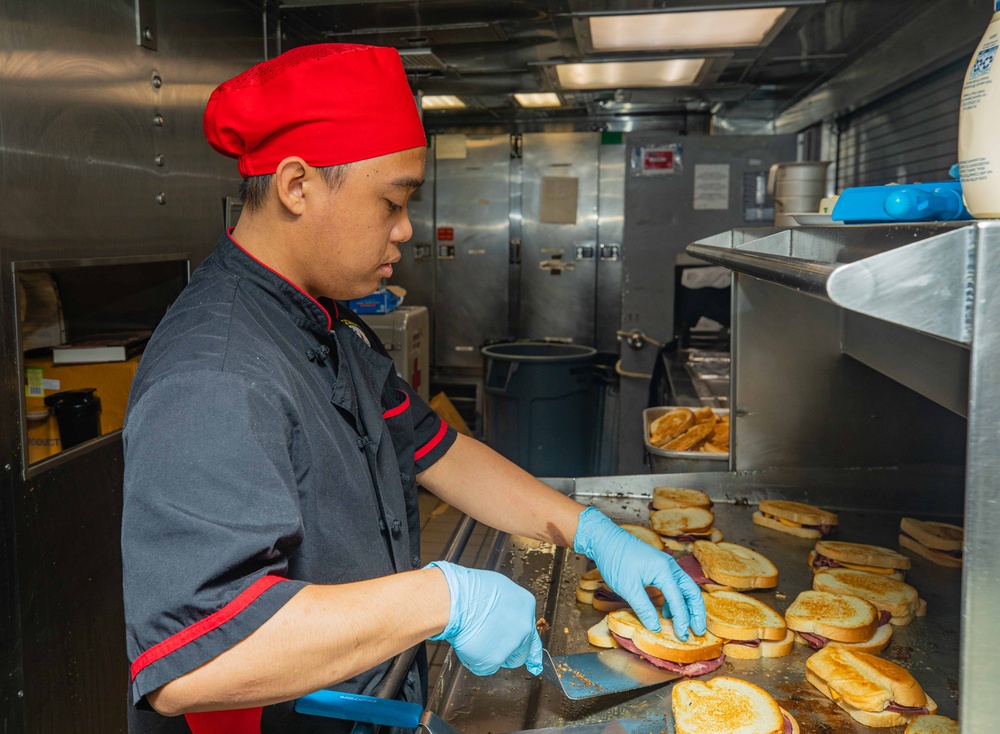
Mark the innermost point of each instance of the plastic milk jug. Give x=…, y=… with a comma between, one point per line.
x=978, y=139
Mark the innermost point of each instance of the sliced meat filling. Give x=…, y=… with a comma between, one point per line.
x=748, y=643
x=814, y=641
x=690, y=670
x=884, y=617
x=606, y=595
x=787, y=723
x=914, y=710
x=822, y=561
x=692, y=568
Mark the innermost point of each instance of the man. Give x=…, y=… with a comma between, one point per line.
x=270, y=534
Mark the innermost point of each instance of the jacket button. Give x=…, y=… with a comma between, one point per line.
x=397, y=528
x=404, y=478
x=381, y=525
x=415, y=561
x=410, y=678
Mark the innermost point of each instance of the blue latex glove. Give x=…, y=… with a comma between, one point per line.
x=492, y=621
x=628, y=565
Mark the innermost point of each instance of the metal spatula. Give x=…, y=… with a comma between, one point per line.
x=590, y=674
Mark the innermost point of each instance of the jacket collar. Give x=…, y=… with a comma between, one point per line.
x=289, y=296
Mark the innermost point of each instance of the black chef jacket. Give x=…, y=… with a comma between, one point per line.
x=269, y=444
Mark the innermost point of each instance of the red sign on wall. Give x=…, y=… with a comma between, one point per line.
x=446, y=234
x=658, y=160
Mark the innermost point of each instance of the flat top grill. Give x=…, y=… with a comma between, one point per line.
x=513, y=700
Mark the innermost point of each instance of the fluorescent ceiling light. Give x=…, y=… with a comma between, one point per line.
x=701, y=29
x=441, y=102
x=618, y=74
x=538, y=99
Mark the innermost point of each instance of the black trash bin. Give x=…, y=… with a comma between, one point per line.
x=540, y=406
x=78, y=413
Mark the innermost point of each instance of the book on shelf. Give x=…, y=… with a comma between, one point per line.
x=101, y=348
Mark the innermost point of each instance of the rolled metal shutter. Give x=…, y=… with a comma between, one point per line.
x=908, y=136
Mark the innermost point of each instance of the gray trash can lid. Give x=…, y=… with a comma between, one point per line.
x=537, y=352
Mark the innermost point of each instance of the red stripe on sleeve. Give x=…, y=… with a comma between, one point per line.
x=239, y=721
x=211, y=622
x=401, y=408
x=429, y=446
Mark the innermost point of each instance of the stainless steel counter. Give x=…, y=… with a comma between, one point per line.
x=512, y=699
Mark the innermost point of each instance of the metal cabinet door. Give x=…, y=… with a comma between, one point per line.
x=558, y=260
x=472, y=250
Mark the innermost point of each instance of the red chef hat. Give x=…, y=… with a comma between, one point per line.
x=329, y=103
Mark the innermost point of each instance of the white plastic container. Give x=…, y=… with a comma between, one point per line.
x=978, y=142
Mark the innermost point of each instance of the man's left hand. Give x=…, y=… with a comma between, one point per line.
x=628, y=566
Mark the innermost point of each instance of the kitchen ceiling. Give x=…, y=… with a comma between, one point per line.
x=485, y=51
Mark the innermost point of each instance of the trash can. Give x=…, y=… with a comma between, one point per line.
x=607, y=397
x=78, y=413
x=540, y=407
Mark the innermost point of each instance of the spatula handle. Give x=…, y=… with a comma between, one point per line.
x=355, y=707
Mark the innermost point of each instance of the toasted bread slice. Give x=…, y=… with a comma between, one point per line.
x=705, y=415
x=864, y=686
x=766, y=648
x=725, y=704
x=862, y=554
x=735, y=566
x=687, y=546
x=670, y=425
x=720, y=434
x=600, y=636
x=932, y=724
x=838, y=617
x=798, y=512
x=934, y=556
x=679, y=521
x=591, y=580
x=584, y=596
x=665, y=498
x=735, y=616
x=691, y=439
x=759, y=518
x=896, y=597
x=937, y=535
x=644, y=534
x=878, y=642
x=892, y=573
x=864, y=681
x=666, y=646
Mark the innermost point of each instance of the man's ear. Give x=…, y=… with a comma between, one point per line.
x=288, y=179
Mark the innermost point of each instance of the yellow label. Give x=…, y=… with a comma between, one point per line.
x=35, y=382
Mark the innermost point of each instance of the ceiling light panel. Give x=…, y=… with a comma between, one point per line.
x=665, y=31
x=619, y=74
x=441, y=102
x=538, y=99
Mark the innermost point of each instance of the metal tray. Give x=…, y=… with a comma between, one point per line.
x=512, y=699
x=678, y=462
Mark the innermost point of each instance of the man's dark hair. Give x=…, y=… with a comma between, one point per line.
x=253, y=189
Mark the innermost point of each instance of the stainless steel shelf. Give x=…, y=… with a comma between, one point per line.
x=917, y=276
x=918, y=304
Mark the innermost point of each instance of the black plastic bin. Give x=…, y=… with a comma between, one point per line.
x=540, y=406
x=78, y=413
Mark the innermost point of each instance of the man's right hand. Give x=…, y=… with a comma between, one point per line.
x=491, y=623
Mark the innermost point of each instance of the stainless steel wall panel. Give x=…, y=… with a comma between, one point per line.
x=80, y=179
x=559, y=301
x=610, y=231
x=472, y=208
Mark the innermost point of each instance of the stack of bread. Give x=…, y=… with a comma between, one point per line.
x=683, y=429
